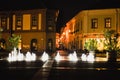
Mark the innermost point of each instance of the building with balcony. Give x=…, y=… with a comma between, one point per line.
x=37, y=28
x=89, y=24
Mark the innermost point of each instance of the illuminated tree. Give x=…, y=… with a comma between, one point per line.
x=14, y=40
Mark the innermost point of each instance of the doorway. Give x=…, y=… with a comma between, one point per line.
x=34, y=45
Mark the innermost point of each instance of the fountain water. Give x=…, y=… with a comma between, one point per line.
x=84, y=57
x=30, y=56
x=44, y=56
x=89, y=57
x=16, y=55
x=58, y=57
x=73, y=56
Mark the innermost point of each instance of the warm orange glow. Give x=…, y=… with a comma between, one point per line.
x=63, y=33
x=69, y=31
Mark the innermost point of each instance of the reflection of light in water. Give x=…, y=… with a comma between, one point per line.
x=17, y=56
x=58, y=57
x=44, y=56
x=73, y=56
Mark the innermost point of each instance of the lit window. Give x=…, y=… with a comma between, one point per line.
x=107, y=22
x=94, y=23
x=34, y=22
x=4, y=22
x=19, y=22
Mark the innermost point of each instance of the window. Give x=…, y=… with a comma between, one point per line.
x=107, y=22
x=34, y=22
x=4, y=22
x=50, y=25
x=94, y=23
x=18, y=22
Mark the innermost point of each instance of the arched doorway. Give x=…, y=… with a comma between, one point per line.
x=33, y=45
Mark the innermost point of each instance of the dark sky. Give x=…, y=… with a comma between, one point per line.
x=67, y=8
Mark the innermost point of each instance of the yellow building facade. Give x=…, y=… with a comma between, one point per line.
x=89, y=24
x=37, y=28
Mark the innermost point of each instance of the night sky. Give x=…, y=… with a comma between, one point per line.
x=67, y=8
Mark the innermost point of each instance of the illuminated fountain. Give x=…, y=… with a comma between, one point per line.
x=73, y=56
x=44, y=56
x=30, y=56
x=16, y=55
x=89, y=57
x=83, y=57
x=20, y=56
x=58, y=57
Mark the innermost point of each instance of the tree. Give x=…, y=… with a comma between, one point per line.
x=14, y=40
x=91, y=45
x=111, y=44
